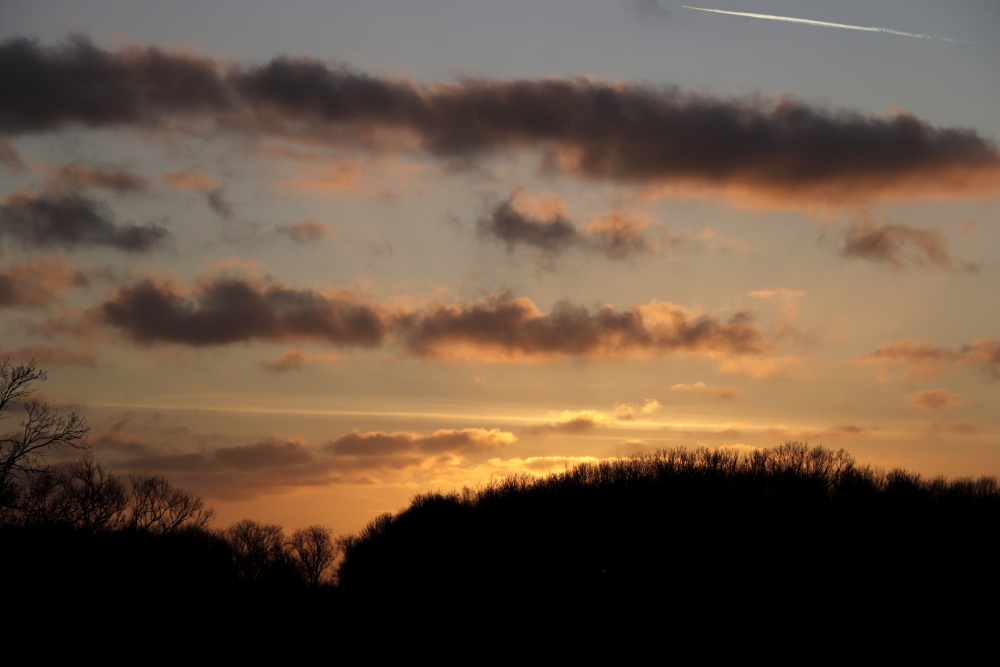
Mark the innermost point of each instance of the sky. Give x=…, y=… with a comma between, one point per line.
x=310, y=260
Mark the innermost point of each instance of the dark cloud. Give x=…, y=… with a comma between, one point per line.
x=77, y=82
x=77, y=176
x=503, y=328
x=506, y=328
x=377, y=450
x=71, y=220
x=264, y=455
x=37, y=282
x=506, y=223
x=276, y=464
x=608, y=131
x=228, y=310
x=900, y=245
x=551, y=233
x=217, y=202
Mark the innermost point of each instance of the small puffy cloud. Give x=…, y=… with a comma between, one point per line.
x=37, y=282
x=933, y=400
x=542, y=224
x=900, y=246
x=71, y=220
x=715, y=391
x=373, y=451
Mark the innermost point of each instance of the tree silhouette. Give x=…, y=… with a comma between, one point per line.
x=22, y=452
x=258, y=549
x=314, y=550
x=156, y=506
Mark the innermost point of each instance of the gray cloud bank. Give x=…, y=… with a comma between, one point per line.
x=598, y=130
x=502, y=328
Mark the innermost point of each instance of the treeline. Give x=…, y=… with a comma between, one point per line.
x=805, y=532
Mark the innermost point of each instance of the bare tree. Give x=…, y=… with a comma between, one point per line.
x=258, y=549
x=158, y=507
x=314, y=551
x=22, y=451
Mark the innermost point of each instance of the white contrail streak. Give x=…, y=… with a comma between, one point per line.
x=789, y=19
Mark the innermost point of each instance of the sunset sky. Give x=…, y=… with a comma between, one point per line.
x=309, y=259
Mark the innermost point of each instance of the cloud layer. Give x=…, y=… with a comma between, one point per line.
x=592, y=129
x=504, y=328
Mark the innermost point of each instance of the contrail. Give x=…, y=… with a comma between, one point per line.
x=888, y=31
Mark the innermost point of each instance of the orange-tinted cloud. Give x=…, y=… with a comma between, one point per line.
x=191, y=179
x=933, y=400
x=900, y=246
x=716, y=391
x=505, y=328
x=925, y=359
x=642, y=134
x=542, y=224
x=579, y=421
x=278, y=465
x=37, y=282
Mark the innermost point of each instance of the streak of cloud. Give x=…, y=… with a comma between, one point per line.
x=925, y=359
x=826, y=24
x=624, y=133
x=502, y=328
